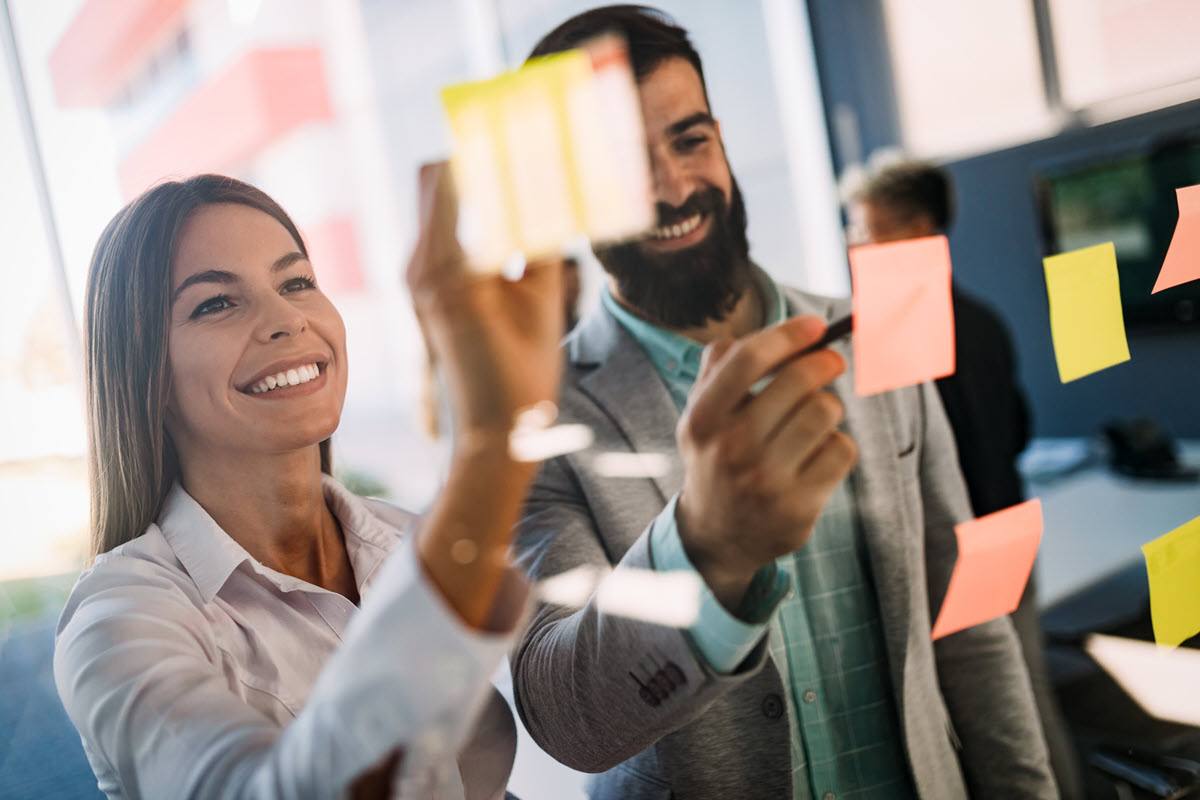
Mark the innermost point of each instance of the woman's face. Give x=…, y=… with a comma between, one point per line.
x=257, y=352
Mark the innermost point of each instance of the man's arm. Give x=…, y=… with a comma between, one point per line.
x=592, y=688
x=982, y=675
x=758, y=467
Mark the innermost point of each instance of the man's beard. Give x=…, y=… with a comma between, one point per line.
x=687, y=288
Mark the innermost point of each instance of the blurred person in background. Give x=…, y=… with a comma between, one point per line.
x=820, y=524
x=248, y=627
x=983, y=400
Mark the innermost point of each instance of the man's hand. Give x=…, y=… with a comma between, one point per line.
x=759, y=467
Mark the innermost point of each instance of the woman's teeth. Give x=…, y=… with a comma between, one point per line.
x=291, y=377
x=679, y=229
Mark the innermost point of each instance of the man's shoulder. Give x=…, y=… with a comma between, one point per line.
x=802, y=302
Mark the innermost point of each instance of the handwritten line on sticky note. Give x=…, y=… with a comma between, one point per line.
x=1085, y=311
x=995, y=557
x=1173, y=567
x=903, y=318
x=1182, y=263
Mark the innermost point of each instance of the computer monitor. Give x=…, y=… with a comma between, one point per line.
x=1127, y=197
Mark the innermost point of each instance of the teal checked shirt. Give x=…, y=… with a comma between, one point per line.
x=818, y=609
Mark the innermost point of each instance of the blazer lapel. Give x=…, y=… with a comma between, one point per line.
x=624, y=384
x=878, y=495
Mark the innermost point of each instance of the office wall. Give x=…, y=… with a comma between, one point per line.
x=995, y=243
x=997, y=254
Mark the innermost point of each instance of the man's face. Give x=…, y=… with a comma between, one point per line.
x=694, y=265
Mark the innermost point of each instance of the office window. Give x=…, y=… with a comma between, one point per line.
x=967, y=75
x=1111, y=49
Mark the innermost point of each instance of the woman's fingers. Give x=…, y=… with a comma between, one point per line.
x=437, y=256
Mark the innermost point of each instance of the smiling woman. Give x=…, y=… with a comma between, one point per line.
x=248, y=626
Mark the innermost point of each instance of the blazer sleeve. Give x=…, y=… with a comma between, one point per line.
x=982, y=675
x=595, y=689
x=143, y=682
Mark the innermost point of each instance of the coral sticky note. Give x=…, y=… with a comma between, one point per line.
x=1182, y=263
x=903, y=318
x=1085, y=311
x=1173, y=567
x=550, y=151
x=995, y=558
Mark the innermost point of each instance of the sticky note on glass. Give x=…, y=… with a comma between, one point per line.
x=1182, y=263
x=548, y=152
x=1085, y=311
x=903, y=318
x=1173, y=567
x=1161, y=681
x=995, y=558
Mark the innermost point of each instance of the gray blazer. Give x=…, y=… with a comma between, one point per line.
x=635, y=702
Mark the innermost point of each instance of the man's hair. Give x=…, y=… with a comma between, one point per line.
x=911, y=188
x=651, y=35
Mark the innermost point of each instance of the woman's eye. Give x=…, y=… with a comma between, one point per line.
x=212, y=305
x=297, y=284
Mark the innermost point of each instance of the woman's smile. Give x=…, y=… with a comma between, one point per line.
x=306, y=371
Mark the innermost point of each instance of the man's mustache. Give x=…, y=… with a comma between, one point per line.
x=699, y=202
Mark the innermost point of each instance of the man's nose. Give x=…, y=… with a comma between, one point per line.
x=673, y=184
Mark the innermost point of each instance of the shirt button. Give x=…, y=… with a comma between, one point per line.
x=810, y=696
x=672, y=365
x=829, y=796
x=772, y=706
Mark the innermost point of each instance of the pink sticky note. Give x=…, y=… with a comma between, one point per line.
x=903, y=319
x=1182, y=263
x=995, y=557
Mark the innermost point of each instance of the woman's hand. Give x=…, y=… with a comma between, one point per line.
x=495, y=340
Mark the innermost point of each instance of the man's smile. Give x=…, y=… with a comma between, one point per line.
x=681, y=234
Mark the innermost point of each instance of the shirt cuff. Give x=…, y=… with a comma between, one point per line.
x=410, y=672
x=723, y=639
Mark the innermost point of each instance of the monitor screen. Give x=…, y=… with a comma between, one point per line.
x=1127, y=198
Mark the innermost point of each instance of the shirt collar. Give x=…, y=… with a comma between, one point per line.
x=210, y=555
x=678, y=356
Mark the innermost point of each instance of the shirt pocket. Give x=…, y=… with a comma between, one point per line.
x=266, y=693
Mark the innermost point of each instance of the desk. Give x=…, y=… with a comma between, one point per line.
x=1096, y=520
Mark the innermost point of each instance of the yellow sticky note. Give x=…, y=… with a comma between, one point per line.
x=550, y=151
x=1173, y=566
x=1085, y=311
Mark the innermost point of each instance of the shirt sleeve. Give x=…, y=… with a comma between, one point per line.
x=144, y=682
x=723, y=639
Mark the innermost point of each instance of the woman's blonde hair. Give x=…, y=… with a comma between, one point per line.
x=131, y=461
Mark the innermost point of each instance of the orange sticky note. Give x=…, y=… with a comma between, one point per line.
x=1182, y=263
x=903, y=319
x=995, y=557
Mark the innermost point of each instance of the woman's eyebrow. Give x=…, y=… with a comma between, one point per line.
x=285, y=261
x=226, y=278
x=208, y=276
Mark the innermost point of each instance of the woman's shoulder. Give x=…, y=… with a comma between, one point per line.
x=143, y=574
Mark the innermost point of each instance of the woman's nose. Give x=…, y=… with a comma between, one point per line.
x=281, y=319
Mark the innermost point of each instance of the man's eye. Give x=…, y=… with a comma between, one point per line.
x=690, y=143
x=212, y=305
x=297, y=284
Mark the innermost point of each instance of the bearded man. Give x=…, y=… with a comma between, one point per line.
x=820, y=524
